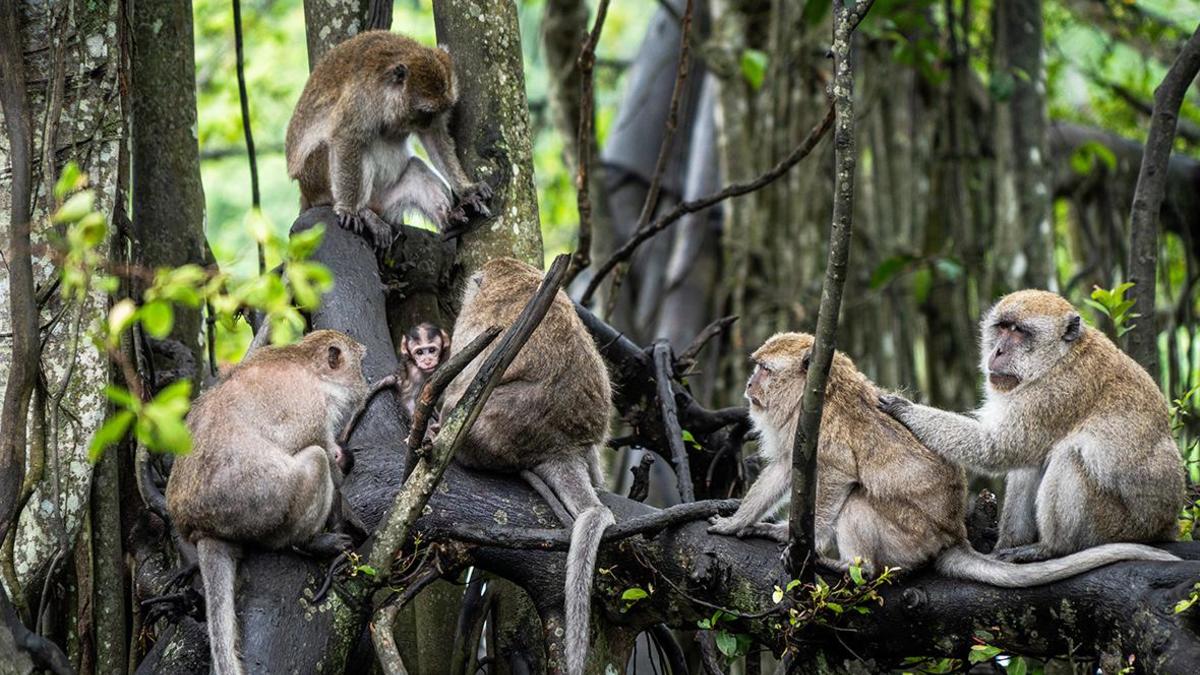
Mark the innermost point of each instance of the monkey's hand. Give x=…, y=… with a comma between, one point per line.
x=1022, y=554
x=476, y=196
x=734, y=527
x=327, y=544
x=894, y=405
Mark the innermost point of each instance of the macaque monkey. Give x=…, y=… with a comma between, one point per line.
x=264, y=467
x=1081, y=428
x=882, y=497
x=422, y=350
x=347, y=141
x=548, y=415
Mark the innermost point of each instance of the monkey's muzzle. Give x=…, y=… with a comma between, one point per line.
x=1004, y=381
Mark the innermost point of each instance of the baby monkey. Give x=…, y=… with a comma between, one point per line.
x=347, y=141
x=422, y=349
x=549, y=415
x=881, y=495
x=1081, y=428
x=264, y=467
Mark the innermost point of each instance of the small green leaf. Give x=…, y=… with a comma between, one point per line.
x=79, y=205
x=120, y=317
x=121, y=397
x=304, y=244
x=90, y=230
x=634, y=594
x=857, y=575
x=983, y=653
x=70, y=180
x=1018, y=666
x=109, y=433
x=367, y=570
x=834, y=607
x=726, y=643
x=777, y=596
x=157, y=318
x=754, y=67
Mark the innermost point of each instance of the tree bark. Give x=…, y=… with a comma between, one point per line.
x=490, y=126
x=328, y=22
x=1142, y=341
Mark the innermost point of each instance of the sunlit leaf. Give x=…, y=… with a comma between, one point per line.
x=76, y=207
x=109, y=433
x=754, y=67
x=157, y=317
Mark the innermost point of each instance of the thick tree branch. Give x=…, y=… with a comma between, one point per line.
x=1142, y=341
x=804, y=449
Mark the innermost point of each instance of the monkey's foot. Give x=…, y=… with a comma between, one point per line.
x=328, y=544
x=367, y=223
x=183, y=576
x=476, y=196
x=731, y=526
x=1022, y=554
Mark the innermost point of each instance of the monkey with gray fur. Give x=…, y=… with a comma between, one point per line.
x=1081, y=429
x=264, y=467
x=549, y=415
x=422, y=349
x=347, y=141
x=882, y=496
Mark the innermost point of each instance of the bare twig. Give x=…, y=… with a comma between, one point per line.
x=804, y=449
x=244, y=97
x=559, y=539
x=664, y=374
x=436, y=384
x=1142, y=341
x=683, y=208
x=425, y=476
x=687, y=358
x=586, y=63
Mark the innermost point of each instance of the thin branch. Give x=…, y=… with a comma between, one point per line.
x=384, y=619
x=1142, y=341
x=415, y=493
x=687, y=358
x=683, y=208
x=664, y=374
x=804, y=448
x=530, y=538
x=586, y=63
x=244, y=97
x=436, y=384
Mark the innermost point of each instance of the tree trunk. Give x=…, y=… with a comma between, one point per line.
x=491, y=125
x=329, y=22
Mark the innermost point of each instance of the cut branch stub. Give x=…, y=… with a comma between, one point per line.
x=427, y=473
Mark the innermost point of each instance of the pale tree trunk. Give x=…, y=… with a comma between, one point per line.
x=491, y=125
x=1024, y=240
x=329, y=22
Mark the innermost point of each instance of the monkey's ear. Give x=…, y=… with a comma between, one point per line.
x=403, y=344
x=806, y=360
x=1074, y=329
x=335, y=357
x=399, y=73
x=445, y=345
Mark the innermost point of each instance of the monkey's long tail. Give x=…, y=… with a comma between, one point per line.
x=965, y=563
x=581, y=565
x=218, y=569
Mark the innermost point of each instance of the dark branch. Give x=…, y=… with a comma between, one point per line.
x=683, y=208
x=687, y=358
x=664, y=375
x=1142, y=341
x=804, y=447
x=244, y=98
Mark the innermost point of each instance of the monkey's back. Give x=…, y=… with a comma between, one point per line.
x=230, y=485
x=554, y=399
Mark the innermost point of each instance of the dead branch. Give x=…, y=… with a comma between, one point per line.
x=687, y=358
x=664, y=374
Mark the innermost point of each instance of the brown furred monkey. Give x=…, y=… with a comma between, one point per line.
x=347, y=141
x=422, y=349
x=1082, y=429
x=262, y=466
x=881, y=495
x=549, y=414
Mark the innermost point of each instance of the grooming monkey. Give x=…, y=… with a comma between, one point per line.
x=347, y=141
x=549, y=415
x=262, y=466
x=881, y=495
x=1081, y=427
x=422, y=349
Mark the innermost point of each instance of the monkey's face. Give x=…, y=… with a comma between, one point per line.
x=1024, y=336
x=422, y=87
x=780, y=371
x=427, y=347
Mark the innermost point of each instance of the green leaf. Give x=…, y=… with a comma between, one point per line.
x=157, y=318
x=889, y=269
x=90, y=230
x=726, y=643
x=367, y=570
x=857, y=575
x=1018, y=666
x=109, y=433
x=792, y=584
x=777, y=595
x=120, y=317
x=75, y=208
x=754, y=67
x=834, y=607
x=70, y=180
x=634, y=594
x=121, y=397
x=303, y=244
x=983, y=653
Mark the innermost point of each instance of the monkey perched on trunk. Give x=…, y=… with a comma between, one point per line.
x=262, y=467
x=422, y=349
x=549, y=414
x=347, y=141
x=1082, y=428
x=881, y=495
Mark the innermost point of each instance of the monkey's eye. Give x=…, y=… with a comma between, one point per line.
x=399, y=74
x=335, y=357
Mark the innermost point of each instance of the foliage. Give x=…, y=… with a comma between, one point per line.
x=1112, y=304
x=806, y=604
x=1186, y=604
x=157, y=422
